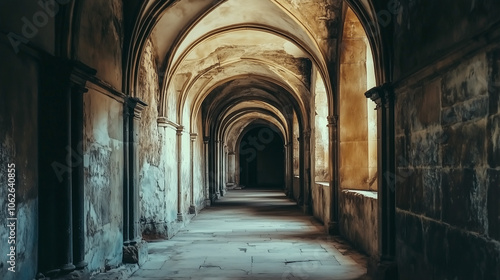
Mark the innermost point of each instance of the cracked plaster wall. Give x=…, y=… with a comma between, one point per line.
x=99, y=44
x=158, y=160
x=103, y=168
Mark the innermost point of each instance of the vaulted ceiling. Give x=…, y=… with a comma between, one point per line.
x=217, y=55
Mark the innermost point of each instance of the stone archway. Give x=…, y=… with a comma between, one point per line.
x=261, y=159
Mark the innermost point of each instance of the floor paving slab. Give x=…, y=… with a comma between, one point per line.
x=251, y=234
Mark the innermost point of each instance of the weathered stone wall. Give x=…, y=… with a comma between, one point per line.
x=99, y=44
x=321, y=197
x=18, y=145
x=151, y=170
x=296, y=187
x=21, y=22
x=157, y=155
x=447, y=184
x=100, y=39
x=103, y=166
x=447, y=141
x=323, y=18
x=358, y=221
x=29, y=22
x=426, y=30
x=158, y=159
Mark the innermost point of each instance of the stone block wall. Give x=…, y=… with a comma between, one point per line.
x=358, y=219
x=321, y=197
x=447, y=184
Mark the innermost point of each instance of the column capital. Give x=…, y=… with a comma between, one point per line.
x=80, y=73
x=136, y=105
x=193, y=136
x=333, y=121
x=180, y=130
x=382, y=95
x=206, y=139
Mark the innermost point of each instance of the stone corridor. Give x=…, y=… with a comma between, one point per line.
x=252, y=234
x=136, y=126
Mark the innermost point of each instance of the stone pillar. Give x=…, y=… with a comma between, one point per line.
x=137, y=106
x=64, y=194
x=217, y=168
x=289, y=169
x=231, y=168
x=134, y=250
x=192, y=207
x=333, y=127
x=307, y=172
x=301, y=200
x=224, y=164
x=126, y=175
x=206, y=159
x=385, y=267
x=180, y=216
x=78, y=177
x=61, y=167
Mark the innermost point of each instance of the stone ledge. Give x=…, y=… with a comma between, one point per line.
x=368, y=194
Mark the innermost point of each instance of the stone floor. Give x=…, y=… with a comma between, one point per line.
x=252, y=234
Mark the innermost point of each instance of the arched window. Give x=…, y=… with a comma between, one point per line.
x=358, y=118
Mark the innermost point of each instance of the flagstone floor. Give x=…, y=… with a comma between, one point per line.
x=252, y=234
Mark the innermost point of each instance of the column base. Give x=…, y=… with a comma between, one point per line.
x=180, y=217
x=380, y=269
x=67, y=268
x=192, y=209
x=208, y=202
x=81, y=265
x=136, y=254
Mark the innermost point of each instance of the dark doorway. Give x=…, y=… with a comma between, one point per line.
x=262, y=159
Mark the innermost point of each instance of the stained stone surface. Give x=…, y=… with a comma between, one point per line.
x=251, y=234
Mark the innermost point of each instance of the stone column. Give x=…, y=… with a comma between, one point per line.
x=134, y=251
x=192, y=207
x=289, y=169
x=60, y=161
x=383, y=96
x=180, y=216
x=231, y=168
x=224, y=164
x=64, y=194
x=307, y=172
x=137, y=106
x=333, y=127
x=206, y=160
x=216, y=169
x=126, y=175
x=78, y=177
x=301, y=200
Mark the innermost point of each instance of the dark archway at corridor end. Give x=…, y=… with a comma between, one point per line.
x=262, y=159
